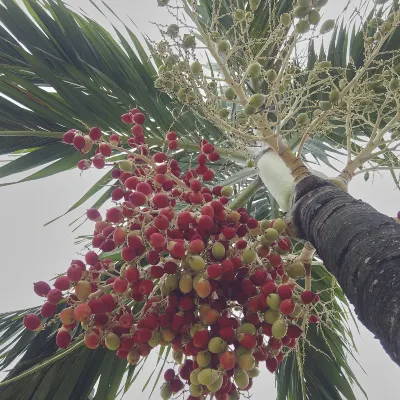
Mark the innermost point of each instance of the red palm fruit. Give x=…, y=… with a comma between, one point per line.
x=171, y=135
x=161, y=222
x=201, y=339
x=253, y=304
x=93, y=214
x=131, y=183
x=313, y=319
x=137, y=130
x=74, y=273
x=48, y=310
x=208, y=175
x=207, y=148
x=248, y=288
x=83, y=165
x=227, y=333
x=114, y=215
x=63, y=339
x=95, y=133
x=151, y=322
x=285, y=292
x=254, y=319
x=82, y=312
x=146, y=286
x=177, y=322
x=68, y=136
x=252, y=223
x=91, y=340
x=275, y=260
x=241, y=244
x=169, y=374
x=285, y=244
x=32, y=322
x=126, y=118
x=205, y=222
x=227, y=360
x=101, y=320
x=272, y=364
x=109, y=302
x=185, y=218
x=128, y=253
x=122, y=354
x=260, y=354
x=196, y=246
x=248, y=341
x=132, y=275
x=170, y=267
x=292, y=344
x=280, y=357
x=144, y=335
x=172, y=145
x=41, y=288
x=215, y=271
x=105, y=149
x=126, y=320
x=274, y=343
x=316, y=298
x=287, y=306
x=259, y=277
x=307, y=297
x=176, y=385
x=62, y=283
x=237, y=263
x=156, y=271
x=184, y=372
x=79, y=142
x=157, y=240
x=97, y=306
x=139, y=118
x=153, y=257
x=262, y=303
x=120, y=285
x=268, y=288
x=195, y=185
x=187, y=303
x=214, y=156
x=286, y=340
x=54, y=296
x=177, y=251
x=161, y=200
x=145, y=188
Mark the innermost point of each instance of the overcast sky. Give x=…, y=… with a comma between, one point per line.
x=31, y=252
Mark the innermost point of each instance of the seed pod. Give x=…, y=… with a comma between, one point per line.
x=227, y=191
x=295, y=270
x=208, y=376
x=165, y=391
x=327, y=26
x=249, y=256
x=214, y=387
x=194, y=376
x=196, y=390
x=186, y=283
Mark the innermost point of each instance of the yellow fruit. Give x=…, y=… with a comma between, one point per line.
x=112, y=341
x=207, y=376
x=196, y=263
x=241, y=379
x=279, y=225
x=249, y=256
x=203, y=358
x=218, y=250
x=165, y=391
x=217, y=345
x=253, y=373
x=186, y=283
x=196, y=280
x=155, y=339
x=167, y=334
x=295, y=270
x=67, y=316
x=203, y=288
x=254, y=70
x=271, y=316
x=271, y=234
x=214, y=387
x=279, y=329
x=171, y=282
x=246, y=361
x=194, y=376
x=247, y=327
x=257, y=100
x=274, y=301
x=227, y=191
x=82, y=290
x=196, y=390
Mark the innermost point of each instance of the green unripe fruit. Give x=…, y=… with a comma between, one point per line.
x=394, y=84
x=253, y=373
x=243, y=350
x=386, y=27
x=302, y=27
x=254, y=70
x=249, y=256
x=241, y=118
x=241, y=379
x=320, y=3
x=227, y=191
x=301, y=12
x=247, y=327
x=212, y=85
x=171, y=282
x=297, y=310
x=215, y=36
x=324, y=64
x=327, y=26
x=125, y=165
x=155, y=339
x=279, y=329
x=325, y=105
x=257, y=100
x=302, y=119
x=196, y=390
x=285, y=19
x=265, y=224
x=249, y=163
x=162, y=69
x=274, y=301
x=112, y=341
x=196, y=263
x=296, y=270
x=378, y=36
x=194, y=375
x=189, y=41
x=271, y=316
x=279, y=225
x=208, y=376
x=196, y=68
x=271, y=75
x=214, y=387
x=218, y=250
x=334, y=96
x=314, y=17
x=304, y=3
x=249, y=110
x=390, y=18
x=169, y=84
x=172, y=59
x=271, y=234
x=234, y=395
x=216, y=345
x=254, y=4
x=239, y=15
x=190, y=96
x=223, y=46
x=181, y=94
x=203, y=358
x=317, y=112
x=165, y=391
x=223, y=113
x=230, y=93
x=246, y=362
x=173, y=30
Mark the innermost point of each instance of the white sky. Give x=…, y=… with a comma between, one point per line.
x=31, y=252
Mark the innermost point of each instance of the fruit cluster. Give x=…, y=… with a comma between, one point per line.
x=213, y=283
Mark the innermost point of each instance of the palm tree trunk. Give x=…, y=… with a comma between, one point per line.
x=360, y=247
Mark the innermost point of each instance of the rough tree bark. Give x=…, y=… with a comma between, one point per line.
x=360, y=247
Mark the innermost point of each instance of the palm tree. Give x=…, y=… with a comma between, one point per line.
x=96, y=78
